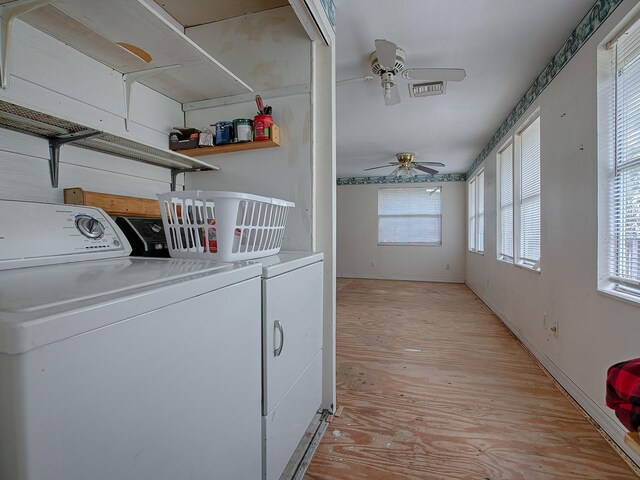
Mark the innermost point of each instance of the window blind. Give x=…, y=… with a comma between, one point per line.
x=471, y=227
x=480, y=214
x=505, y=203
x=624, y=265
x=529, y=253
x=410, y=216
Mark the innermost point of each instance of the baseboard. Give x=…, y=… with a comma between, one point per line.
x=406, y=279
x=614, y=430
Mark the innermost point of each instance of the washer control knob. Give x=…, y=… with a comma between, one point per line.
x=90, y=227
x=155, y=228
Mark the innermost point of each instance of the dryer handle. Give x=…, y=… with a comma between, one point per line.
x=278, y=350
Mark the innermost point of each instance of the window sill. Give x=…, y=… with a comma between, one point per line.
x=476, y=252
x=399, y=244
x=529, y=268
x=621, y=296
x=508, y=261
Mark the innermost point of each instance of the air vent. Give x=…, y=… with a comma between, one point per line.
x=427, y=89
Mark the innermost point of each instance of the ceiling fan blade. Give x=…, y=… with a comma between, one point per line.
x=435, y=164
x=435, y=74
x=425, y=169
x=394, y=96
x=367, y=78
x=375, y=168
x=386, y=52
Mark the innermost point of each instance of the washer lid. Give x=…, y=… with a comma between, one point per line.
x=40, y=305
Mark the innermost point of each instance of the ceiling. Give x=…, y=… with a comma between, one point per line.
x=198, y=12
x=502, y=44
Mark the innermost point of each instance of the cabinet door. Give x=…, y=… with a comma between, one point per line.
x=285, y=426
x=292, y=323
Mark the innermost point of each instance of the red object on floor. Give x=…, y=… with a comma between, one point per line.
x=623, y=392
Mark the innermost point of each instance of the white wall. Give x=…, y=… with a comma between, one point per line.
x=50, y=77
x=285, y=172
x=282, y=172
x=357, y=244
x=595, y=331
x=268, y=49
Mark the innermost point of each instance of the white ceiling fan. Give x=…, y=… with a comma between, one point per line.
x=406, y=166
x=387, y=61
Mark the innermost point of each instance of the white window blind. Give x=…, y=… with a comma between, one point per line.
x=471, y=227
x=480, y=215
x=410, y=216
x=624, y=202
x=505, y=203
x=476, y=213
x=529, y=251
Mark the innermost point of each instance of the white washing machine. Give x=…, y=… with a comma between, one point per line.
x=114, y=367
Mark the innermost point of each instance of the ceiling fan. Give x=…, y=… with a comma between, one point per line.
x=387, y=61
x=407, y=167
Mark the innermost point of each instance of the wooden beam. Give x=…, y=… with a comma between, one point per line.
x=113, y=204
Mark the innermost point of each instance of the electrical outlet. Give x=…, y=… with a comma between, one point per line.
x=447, y=267
x=555, y=328
x=373, y=263
x=544, y=321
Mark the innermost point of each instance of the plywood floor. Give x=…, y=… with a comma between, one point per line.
x=434, y=387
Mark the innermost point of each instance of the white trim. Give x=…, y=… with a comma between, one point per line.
x=597, y=414
x=314, y=20
x=621, y=296
x=289, y=91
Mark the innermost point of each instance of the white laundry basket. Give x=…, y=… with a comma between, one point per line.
x=224, y=226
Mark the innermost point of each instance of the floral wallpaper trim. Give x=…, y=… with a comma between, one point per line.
x=446, y=177
x=587, y=26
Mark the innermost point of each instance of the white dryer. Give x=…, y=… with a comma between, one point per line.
x=114, y=367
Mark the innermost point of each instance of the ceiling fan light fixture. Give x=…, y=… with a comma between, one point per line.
x=427, y=89
x=403, y=171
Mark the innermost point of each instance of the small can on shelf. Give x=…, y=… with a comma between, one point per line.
x=224, y=132
x=243, y=130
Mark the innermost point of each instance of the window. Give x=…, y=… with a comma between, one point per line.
x=476, y=213
x=505, y=202
x=471, y=211
x=622, y=198
x=410, y=216
x=528, y=195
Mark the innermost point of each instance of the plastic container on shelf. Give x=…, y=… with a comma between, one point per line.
x=262, y=127
x=224, y=226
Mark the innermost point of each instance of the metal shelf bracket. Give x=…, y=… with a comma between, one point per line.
x=177, y=171
x=8, y=13
x=54, y=150
x=130, y=79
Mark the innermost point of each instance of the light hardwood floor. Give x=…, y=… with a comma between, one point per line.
x=434, y=387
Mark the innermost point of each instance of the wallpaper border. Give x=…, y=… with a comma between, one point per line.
x=594, y=18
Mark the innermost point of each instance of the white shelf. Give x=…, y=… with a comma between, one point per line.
x=94, y=26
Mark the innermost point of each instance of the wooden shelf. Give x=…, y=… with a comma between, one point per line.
x=274, y=141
